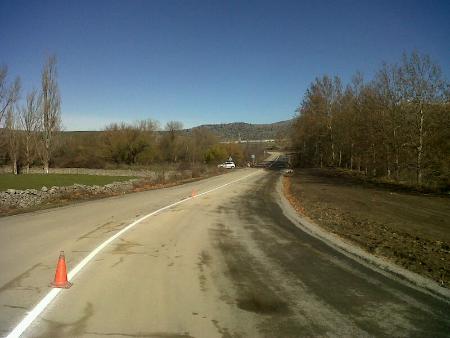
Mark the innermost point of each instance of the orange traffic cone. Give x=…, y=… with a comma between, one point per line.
x=194, y=193
x=61, y=274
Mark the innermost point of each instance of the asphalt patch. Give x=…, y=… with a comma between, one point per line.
x=261, y=304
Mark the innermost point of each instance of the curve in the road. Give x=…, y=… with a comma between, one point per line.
x=50, y=296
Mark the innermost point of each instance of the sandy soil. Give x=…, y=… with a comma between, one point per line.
x=410, y=229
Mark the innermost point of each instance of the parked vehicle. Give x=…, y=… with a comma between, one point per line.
x=288, y=172
x=227, y=165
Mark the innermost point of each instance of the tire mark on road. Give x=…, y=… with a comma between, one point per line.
x=17, y=281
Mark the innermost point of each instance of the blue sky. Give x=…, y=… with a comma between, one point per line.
x=208, y=61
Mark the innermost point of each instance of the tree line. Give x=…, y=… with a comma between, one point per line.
x=396, y=126
x=144, y=143
x=30, y=128
x=31, y=135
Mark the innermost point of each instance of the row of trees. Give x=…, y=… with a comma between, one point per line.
x=31, y=135
x=143, y=143
x=29, y=128
x=397, y=125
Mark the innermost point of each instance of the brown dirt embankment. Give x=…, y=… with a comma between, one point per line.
x=410, y=229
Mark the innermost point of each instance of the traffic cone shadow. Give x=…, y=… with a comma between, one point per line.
x=61, y=274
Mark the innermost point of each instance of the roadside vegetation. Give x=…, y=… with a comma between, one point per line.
x=31, y=135
x=373, y=163
x=145, y=144
x=395, y=127
x=37, y=181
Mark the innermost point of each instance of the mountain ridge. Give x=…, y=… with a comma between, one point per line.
x=233, y=131
x=247, y=131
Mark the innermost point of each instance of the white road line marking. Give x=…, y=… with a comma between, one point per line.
x=37, y=310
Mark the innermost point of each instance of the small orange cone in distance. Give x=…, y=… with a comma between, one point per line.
x=194, y=193
x=61, y=274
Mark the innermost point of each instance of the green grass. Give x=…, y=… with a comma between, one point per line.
x=37, y=181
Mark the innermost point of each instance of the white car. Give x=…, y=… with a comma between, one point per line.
x=227, y=165
x=287, y=172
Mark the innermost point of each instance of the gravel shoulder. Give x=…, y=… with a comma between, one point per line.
x=409, y=229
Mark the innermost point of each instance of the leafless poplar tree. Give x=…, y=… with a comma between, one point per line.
x=422, y=85
x=50, y=110
x=30, y=124
x=387, y=83
x=399, y=121
x=8, y=94
x=12, y=134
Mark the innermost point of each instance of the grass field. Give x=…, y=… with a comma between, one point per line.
x=37, y=181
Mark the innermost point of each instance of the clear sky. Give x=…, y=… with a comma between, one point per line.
x=208, y=61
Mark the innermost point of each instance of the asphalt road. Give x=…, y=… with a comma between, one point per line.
x=224, y=264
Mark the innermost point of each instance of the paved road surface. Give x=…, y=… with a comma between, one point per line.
x=225, y=264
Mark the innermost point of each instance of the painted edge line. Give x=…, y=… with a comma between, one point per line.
x=48, y=298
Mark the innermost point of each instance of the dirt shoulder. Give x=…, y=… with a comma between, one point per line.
x=410, y=229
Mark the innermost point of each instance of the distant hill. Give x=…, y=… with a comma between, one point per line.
x=248, y=131
x=226, y=131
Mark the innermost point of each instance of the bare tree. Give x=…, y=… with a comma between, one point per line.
x=129, y=143
x=173, y=127
x=170, y=142
x=398, y=119
x=321, y=103
x=201, y=140
x=30, y=124
x=387, y=83
x=12, y=134
x=50, y=112
x=8, y=94
x=422, y=85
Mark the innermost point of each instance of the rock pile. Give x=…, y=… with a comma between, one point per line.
x=12, y=198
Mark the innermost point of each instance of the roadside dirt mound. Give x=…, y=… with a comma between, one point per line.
x=410, y=229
